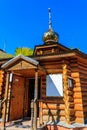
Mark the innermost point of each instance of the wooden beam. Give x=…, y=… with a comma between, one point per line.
x=36, y=85
x=65, y=84
x=35, y=100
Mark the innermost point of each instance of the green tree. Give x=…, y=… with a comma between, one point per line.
x=24, y=51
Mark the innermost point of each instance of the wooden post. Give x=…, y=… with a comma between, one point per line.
x=35, y=100
x=65, y=84
x=36, y=85
x=32, y=113
x=40, y=107
x=5, y=103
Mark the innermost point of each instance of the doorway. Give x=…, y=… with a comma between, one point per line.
x=29, y=96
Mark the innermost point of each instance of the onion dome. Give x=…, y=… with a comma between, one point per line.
x=50, y=35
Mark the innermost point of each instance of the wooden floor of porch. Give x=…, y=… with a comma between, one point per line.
x=21, y=124
x=25, y=124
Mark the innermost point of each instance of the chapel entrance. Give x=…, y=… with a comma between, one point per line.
x=21, y=97
x=31, y=94
x=23, y=88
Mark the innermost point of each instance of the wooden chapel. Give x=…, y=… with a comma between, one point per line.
x=55, y=75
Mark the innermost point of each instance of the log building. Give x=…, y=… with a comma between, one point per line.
x=55, y=76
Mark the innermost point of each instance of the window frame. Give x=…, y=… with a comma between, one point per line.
x=61, y=94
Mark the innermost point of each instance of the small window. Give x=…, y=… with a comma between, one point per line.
x=54, y=85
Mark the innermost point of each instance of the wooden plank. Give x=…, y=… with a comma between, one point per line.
x=58, y=64
x=61, y=113
x=22, y=65
x=54, y=71
x=78, y=84
x=69, y=98
x=57, y=112
x=78, y=107
x=51, y=66
x=77, y=80
x=84, y=98
x=78, y=101
x=54, y=101
x=79, y=114
x=82, y=65
x=44, y=91
x=77, y=89
x=79, y=120
x=82, y=75
x=69, y=93
x=2, y=89
x=45, y=118
x=77, y=95
x=84, y=94
x=40, y=112
x=66, y=97
x=50, y=112
x=53, y=106
x=2, y=72
x=82, y=68
x=75, y=75
x=62, y=118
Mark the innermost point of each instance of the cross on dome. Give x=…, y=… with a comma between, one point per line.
x=50, y=35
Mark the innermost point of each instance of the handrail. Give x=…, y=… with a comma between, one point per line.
x=2, y=101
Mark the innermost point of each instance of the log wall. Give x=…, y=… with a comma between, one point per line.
x=68, y=94
x=82, y=66
x=75, y=99
x=78, y=90
x=51, y=110
x=2, y=88
x=73, y=105
x=57, y=108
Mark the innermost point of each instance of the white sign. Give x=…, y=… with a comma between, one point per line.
x=11, y=76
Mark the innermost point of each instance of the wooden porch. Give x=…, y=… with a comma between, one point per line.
x=17, y=103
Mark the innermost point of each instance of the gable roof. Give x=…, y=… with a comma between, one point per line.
x=4, y=55
x=19, y=57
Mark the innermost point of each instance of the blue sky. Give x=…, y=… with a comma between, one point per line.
x=23, y=22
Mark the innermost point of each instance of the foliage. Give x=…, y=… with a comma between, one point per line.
x=24, y=51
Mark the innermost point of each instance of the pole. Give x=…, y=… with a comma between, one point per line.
x=32, y=113
x=35, y=100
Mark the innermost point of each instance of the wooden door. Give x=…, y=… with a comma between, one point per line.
x=16, y=106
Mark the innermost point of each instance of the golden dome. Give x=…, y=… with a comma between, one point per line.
x=50, y=36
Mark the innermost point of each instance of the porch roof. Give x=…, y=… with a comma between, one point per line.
x=23, y=66
x=19, y=57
